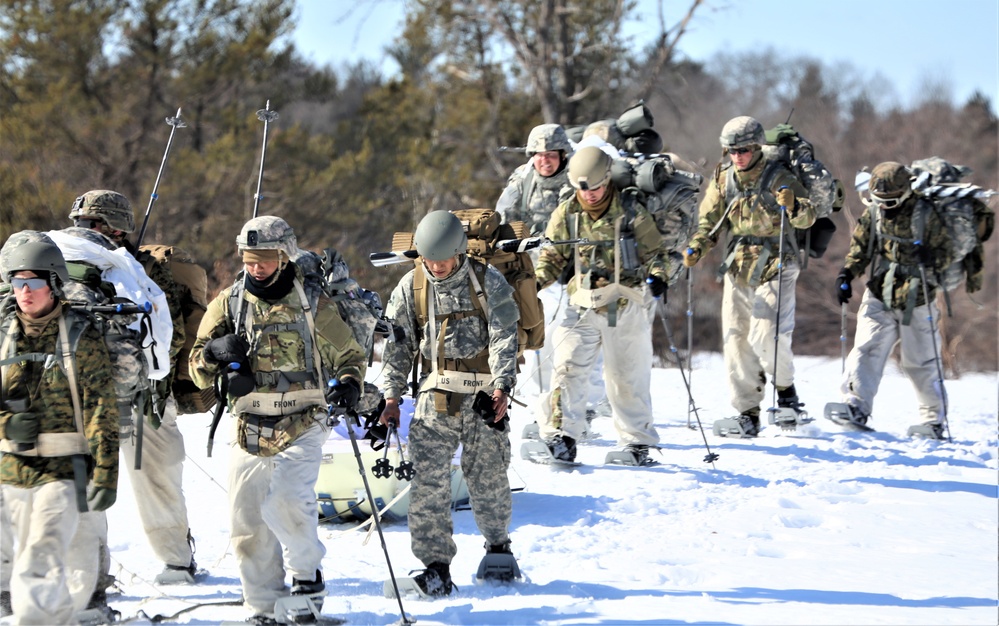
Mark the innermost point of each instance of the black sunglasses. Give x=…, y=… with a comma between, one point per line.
x=740, y=150
x=34, y=283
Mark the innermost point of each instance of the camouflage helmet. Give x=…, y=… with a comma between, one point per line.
x=589, y=168
x=890, y=184
x=440, y=236
x=90, y=235
x=742, y=132
x=268, y=232
x=34, y=251
x=606, y=130
x=111, y=207
x=546, y=138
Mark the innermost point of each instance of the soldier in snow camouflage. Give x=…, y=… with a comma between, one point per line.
x=43, y=431
x=479, y=351
x=894, y=308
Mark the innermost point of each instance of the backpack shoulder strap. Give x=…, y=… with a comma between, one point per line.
x=420, y=293
x=526, y=189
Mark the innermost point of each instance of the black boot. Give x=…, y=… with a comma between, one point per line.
x=308, y=587
x=435, y=581
x=563, y=448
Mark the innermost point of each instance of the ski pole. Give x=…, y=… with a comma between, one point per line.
x=352, y=419
x=933, y=339
x=175, y=123
x=266, y=116
x=780, y=289
x=842, y=338
x=690, y=339
x=711, y=457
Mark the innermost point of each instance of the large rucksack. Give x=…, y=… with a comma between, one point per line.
x=826, y=194
x=969, y=220
x=194, y=302
x=484, y=231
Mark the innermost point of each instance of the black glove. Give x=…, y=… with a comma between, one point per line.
x=844, y=291
x=344, y=394
x=567, y=273
x=23, y=428
x=229, y=348
x=657, y=287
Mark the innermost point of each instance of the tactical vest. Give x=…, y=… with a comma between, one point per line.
x=72, y=325
x=288, y=372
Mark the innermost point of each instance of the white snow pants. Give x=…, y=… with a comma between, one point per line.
x=555, y=301
x=627, y=349
x=55, y=563
x=274, y=517
x=157, y=487
x=749, y=325
x=878, y=329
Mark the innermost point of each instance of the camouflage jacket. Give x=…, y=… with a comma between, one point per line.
x=751, y=218
x=544, y=194
x=466, y=336
x=282, y=349
x=598, y=259
x=888, y=245
x=174, y=292
x=48, y=394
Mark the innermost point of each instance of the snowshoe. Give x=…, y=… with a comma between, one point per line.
x=788, y=414
x=847, y=416
x=498, y=565
x=300, y=609
x=928, y=430
x=433, y=582
x=633, y=455
x=178, y=574
x=539, y=452
x=98, y=615
x=745, y=426
x=530, y=432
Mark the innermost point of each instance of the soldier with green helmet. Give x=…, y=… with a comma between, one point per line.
x=58, y=431
x=460, y=322
x=617, y=273
x=158, y=486
x=752, y=200
x=900, y=252
x=287, y=344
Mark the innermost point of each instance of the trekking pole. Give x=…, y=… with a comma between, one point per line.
x=842, y=338
x=711, y=457
x=690, y=339
x=175, y=123
x=936, y=352
x=352, y=419
x=266, y=116
x=780, y=289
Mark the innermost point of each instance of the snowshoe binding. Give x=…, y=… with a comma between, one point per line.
x=498, y=565
x=433, y=582
x=531, y=432
x=788, y=414
x=847, y=416
x=633, y=455
x=559, y=451
x=928, y=430
x=744, y=426
x=178, y=574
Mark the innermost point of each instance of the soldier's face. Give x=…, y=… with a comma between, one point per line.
x=261, y=270
x=546, y=163
x=741, y=157
x=593, y=196
x=441, y=269
x=34, y=302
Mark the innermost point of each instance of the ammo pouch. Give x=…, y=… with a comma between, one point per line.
x=265, y=435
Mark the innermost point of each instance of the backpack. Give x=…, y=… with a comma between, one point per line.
x=484, y=231
x=826, y=194
x=194, y=302
x=969, y=220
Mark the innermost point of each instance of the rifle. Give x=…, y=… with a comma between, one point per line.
x=265, y=115
x=381, y=259
x=175, y=123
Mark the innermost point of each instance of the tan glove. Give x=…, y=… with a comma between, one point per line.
x=785, y=198
x=691, y=256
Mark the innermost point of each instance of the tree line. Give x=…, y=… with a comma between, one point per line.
x=355, y=155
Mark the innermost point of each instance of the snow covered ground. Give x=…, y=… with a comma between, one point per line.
x=816, y=527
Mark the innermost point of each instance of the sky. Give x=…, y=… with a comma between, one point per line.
x=819, y=526
x=912, y=42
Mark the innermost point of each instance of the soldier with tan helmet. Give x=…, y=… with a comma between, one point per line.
x=289, y=341
x=58, y=431
x=752, y=200
x=158, y=485
x=894, y=308
x=616, y=273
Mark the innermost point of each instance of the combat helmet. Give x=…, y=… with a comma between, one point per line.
x=547, y=138
x=111, y=207
x=268, y=232
x=33, y=251
x=589, y=168
x=440, y=236
x=742, y=132
x=890, y=184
